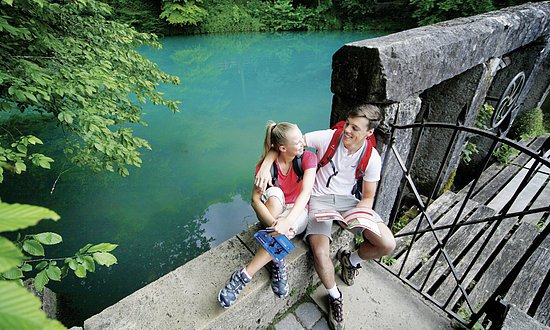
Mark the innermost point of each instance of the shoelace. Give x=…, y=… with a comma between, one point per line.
x=279, y=272
x=337, y=309
x=236, y=284
x=352, y=270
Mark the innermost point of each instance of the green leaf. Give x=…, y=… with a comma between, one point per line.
x=19, y=216
x=84, y=248
x=88, y=263
x=48, y=238
x=80, y=271
x=72, y=264
x=13, y=274
x=10, y=255
x=54, y=273
x=41, y=280
x=41, y=265
x=102, y=247
x=105, y=258
x=20, y=309
x=26, y=267
x=33, y=247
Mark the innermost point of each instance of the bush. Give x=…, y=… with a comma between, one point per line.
x=528, y=124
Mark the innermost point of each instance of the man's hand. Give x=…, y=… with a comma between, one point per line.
x=262, y=179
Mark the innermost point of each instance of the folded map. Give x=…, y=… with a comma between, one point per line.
x=359, y=217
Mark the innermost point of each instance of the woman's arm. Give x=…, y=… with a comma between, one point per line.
x=283, y=224
x=261, y=210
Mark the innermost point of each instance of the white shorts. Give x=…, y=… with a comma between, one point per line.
x=300, y=223
x=340, y=203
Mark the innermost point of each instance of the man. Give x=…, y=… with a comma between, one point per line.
x=333, y=191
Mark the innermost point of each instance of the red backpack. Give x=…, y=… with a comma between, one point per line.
x=363, y=161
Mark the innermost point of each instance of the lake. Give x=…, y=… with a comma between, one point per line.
x=193, y=189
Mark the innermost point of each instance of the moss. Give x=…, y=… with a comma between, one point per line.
x=449, y=184
x=528, y=125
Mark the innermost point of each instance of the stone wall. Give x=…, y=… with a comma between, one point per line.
x=450, y=67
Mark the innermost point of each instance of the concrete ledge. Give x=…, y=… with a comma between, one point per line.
x=395, y=67
x=186, y=298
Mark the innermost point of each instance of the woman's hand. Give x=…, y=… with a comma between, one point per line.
x=282, y=227
x=261, y=180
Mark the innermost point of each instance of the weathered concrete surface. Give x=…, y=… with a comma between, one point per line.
x=516, y=319
x=186, y=298
x=379, y=301
x=395, y=67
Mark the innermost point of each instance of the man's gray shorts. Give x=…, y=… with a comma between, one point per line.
x=340, y=203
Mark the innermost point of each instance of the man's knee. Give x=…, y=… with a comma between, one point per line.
x=320, y=247
x=387, y=246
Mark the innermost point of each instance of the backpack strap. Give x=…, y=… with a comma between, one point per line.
x=334, y=141
x=297, y=166
x=364, y=159
x=274, y=175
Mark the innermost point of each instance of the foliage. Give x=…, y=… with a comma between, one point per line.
x=143, y=15
x=432, y=11
x=184, y=12
x=66, y=61
x=468, y=151
x=388, y=261
x=504, y=153
x=528, y=124
x=482, y=121
x=18, y=308
x=227, y=17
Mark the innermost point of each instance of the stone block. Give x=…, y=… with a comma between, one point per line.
x=397, y=66
x=185, y=298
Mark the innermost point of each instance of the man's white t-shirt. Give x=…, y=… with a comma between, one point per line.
x=343, y=182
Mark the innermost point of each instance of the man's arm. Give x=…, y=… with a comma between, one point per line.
x=369, y=191
x=263, y=177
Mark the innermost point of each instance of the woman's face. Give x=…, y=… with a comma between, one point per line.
x=294, y=142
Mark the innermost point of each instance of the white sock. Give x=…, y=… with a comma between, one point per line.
x=246, y=273
x=334, y=292
x=355, y=259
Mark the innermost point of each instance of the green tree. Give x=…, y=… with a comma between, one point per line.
x=19, y=309
x=65, y=61
x=183, y=12
x=433, y=11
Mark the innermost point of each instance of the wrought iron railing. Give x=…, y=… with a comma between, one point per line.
x=491, y=310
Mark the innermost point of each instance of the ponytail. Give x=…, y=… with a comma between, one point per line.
x=275, y=136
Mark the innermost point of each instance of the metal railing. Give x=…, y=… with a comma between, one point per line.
x=493, y=308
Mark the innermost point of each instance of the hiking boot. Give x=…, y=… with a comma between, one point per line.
x=279, y=279
x=336, y=312
x=349, y=271
x=230, y=292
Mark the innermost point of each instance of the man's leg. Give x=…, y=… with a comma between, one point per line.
x=320, y=247
x=373, y=247
x=376, y=246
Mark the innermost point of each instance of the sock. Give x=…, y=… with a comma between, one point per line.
x=334, y=292
x=245, y=273
x=355, y=259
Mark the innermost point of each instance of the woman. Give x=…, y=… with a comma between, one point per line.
x=282, y=208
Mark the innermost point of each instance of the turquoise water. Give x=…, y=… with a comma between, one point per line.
x=192, y=190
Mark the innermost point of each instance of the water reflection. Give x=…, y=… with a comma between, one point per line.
x=192, y=191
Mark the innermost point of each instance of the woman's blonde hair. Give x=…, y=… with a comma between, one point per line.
x=276, y=135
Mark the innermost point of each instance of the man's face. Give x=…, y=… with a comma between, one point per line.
x=356, y=131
